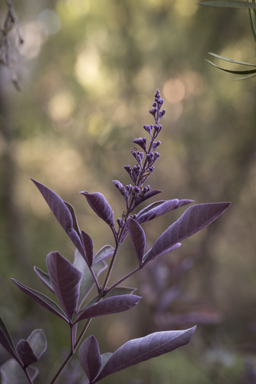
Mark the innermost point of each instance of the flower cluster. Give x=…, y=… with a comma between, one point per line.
x=135, y=193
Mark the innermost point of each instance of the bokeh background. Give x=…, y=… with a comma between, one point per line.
x=89, y=70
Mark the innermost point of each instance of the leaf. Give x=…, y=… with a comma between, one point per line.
x=138, y=238
x=103, y=253
x=74, y=219
x=149, y=194
x=231, y=60
x=26, y=353
x=228, y=4
x=41, y=299
x=248, y=72
x=6, y=340
x=252, y=21
x=62, y=214
x=38, y=342
x=88, y=246
x=44, y=277
x=110, y=305
x=87, y=281
x=90, y=358
x=146, y=259
x=65, y=279
x=115, y=292
x=138, y=350
x=100, y=206
x=191, y=221
x=12, y=373
x=160, y=208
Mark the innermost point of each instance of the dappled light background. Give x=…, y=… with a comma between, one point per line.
x=89, y=70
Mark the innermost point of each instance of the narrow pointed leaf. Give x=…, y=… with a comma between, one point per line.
x=244, y=77
x=12, y=373
x=228, y=4
x=147, y=257
x=88, y=246
x=43, y=300
x=248, y=72
x=103, y=253
x=65, y=279
x=26, y=353
x=62, y=214
x=44, y=277
x=38, y=342
x=160, y=208
x=231, y=60
x=191, y=221
x=74, y=218
x=138, y=350
x=87, y=281
x=110, y=305
x=138, y=238
x=147, y=196
x=90, y=358
x=6, y=340
x=100, y=206
x=115, y=292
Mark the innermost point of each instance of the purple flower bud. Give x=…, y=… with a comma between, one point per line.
x=121, y=189
x=153, y=111
x=156, y=156
x=155, y=145
x=151, y=169
x=128, y=169
x=136, y=189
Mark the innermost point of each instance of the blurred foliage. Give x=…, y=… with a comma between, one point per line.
x=89, y=70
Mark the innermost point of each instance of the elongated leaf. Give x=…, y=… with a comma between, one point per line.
x=147, y=196
x=90, y=358
x=38, y=342
x=88, y=246
x=41, y=299
x=12, y=373
x=103, y=253
x=44, y=277
x=74, y=218
x=160, y=208
x=248, y=72
x=228, y=4
x=147, y=259
x=115, y=292
x=62, y=214
x=6, y=340
x=191, y=221
x=138, y=238
x=26, y=353
x=137, y=350
x=100, y=206
x=110, y=305
x=252, y=21
x=231, y=60
x=87, y=281
x=65, y=279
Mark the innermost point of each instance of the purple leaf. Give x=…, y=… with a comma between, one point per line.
x=138, y=238
x=103, y=253
x=74, y=219
x=44, y=277
x=100, y=206
x=137, y=350
x=160, y=208
x=26, y=353
x=37, y=341
x=110, y=305
x=146, y=260
x=6, y=340
x=88, y=246
x=13, y=373
x=65, y=279
x=191, y=221
x=115, y=292
x=41, y=299
x=62, y=214
x=146, y=196
x=90, y=358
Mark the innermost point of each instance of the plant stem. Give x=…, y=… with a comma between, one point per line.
x=121, y=280
x=29, y=379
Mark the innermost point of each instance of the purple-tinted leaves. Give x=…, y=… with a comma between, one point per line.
x=88, y=246
x=115, y=292
x=100, y=206
x=138, y=238
x=41, y=299
x=146, y=259
x=103, y=253
x=160, y=208
x=65, y=279
x=62, y=214
x=26, y=353
x=44, y=277
x=191, y=221
x=74, y=219
x=12, y=373
x=6, y=340
x=149, y=194
x=110, y=305
x=137, y=350
x=90, y=358
x=87, y=281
